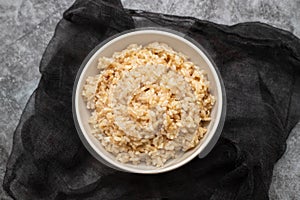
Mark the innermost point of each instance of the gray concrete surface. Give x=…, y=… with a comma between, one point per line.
x=26, y=26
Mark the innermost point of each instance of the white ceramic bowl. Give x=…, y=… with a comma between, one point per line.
x=180, y=43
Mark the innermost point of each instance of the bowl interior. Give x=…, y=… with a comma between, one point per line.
x=144, y=37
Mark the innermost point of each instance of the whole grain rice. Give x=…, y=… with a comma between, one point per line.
x=148, y=104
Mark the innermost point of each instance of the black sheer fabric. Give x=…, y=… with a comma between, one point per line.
x=260, y=66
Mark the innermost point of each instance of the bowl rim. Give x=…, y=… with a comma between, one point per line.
x=215, y=131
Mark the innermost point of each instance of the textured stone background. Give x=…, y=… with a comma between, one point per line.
x=26, y=26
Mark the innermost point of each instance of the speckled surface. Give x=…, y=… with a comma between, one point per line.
x=26, y=26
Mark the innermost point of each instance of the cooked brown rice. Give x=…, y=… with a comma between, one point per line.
x=149, y=104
